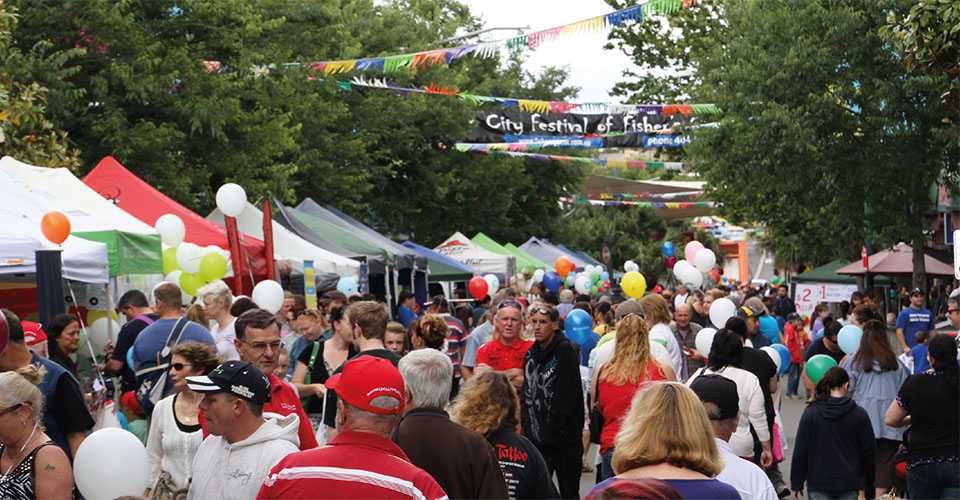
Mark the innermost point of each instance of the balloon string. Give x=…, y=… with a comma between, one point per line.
x=93, y=355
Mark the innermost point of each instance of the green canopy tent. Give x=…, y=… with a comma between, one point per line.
x=526, y=259
x=341, y=237
x=827, y=274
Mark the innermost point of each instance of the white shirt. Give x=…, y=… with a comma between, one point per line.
x=680, y=299
x=223, y=338
x=663, y=332
x=751, y=408
x=170, y=449
x=749, y=480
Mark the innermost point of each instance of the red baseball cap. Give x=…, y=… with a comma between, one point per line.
x=32, y=333
x=366, y=378
x=129, y=399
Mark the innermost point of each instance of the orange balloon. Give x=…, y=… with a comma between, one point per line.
x=55, y=226
x=562, y=266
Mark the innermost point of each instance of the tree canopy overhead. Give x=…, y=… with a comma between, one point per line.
x=139, y=89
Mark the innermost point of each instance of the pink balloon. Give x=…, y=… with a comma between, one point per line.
x=690, y=251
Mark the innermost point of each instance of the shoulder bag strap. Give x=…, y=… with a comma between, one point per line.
x=313, y=359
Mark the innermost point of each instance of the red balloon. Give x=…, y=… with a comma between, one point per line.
x=55, y=226
x=657, y=289
x=670, y=261
x=715, y=274
x=478, y=287
x=563, y=266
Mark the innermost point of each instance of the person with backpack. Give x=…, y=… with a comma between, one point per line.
x=152, y=349
x=317, y=362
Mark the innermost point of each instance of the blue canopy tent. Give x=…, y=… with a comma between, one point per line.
x=547, y=252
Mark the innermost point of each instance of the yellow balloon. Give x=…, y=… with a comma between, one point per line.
x=634, y=284
x=170, y=261
x=93, y=315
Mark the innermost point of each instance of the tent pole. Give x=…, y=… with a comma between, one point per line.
x=109, y=311
x=49, y=284
x=413, y=281
x=268, y=240
x=233, y=243
x=386, y=288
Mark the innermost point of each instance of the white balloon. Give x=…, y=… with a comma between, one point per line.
x=774, y=355
x=582, y=284
x=268, y=294
x=705, y=340
x=173, y=277
x=211, y=249
x=721, y=310
x=538, y=276
x=98, y=336
x=679, y=267
x=692, y=278
x=171, y=230
x=231, y=199
x=628, y=265
x=111, y=463
x=705, y=260
x=635, y=267
x=493, y=284
x=188, y=257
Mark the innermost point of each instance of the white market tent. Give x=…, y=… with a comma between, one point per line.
x=287, y=245
x=65, y=186
x=21, y=237
x=462, y=249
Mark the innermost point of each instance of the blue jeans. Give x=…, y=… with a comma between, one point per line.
x=938, y=480
x=793, y=380
x=833, y=495
x=606, y=471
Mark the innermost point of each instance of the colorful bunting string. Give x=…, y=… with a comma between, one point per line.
x=652, y=165
x=580, y=200
x=534, y=106
x=646, y=196
x=530, y=41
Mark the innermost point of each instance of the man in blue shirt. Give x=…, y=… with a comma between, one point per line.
x=912, y=320
x=150, y=347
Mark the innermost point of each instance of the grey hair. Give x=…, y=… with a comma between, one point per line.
x=428, y=374
x=219, y=290
x=354, y=418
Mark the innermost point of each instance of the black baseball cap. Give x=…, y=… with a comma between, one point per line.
x=720, y=391
x=240, y=378
x=793, y=317
x=916, y=291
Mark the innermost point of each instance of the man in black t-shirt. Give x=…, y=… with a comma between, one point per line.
x=136, y=309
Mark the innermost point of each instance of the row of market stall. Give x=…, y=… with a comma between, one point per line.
x=113, y=245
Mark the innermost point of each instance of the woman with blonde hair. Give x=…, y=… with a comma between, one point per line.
x=657, y=314
x=31, y=464
x=630, y=367
x=195, y=313
x=175, y=424
x=488, y=405
x=666, y=436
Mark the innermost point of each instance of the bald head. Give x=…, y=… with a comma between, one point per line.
x=683, y=316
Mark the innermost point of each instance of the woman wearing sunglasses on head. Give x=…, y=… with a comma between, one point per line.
x=175, y=426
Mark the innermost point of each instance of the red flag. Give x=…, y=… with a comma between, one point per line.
x=268, y=239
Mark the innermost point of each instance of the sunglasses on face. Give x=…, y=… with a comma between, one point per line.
x=177, y=366
x=952, y=310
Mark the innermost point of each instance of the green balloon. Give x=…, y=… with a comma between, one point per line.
x=818, y=365
x=170, y=261
x=212, y=267
x=190, y=283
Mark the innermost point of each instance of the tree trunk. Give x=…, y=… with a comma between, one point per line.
x=919, y=267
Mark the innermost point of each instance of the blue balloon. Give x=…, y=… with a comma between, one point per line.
x=784, y=357
x=668, y=248
x=819, y=333
x=552, y=281
x=577, y=326
x=347, y=286
x=849, y=338
x=604, y=276
x=130, y=358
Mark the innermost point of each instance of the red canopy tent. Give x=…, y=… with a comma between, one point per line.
x=119, y=185
x=897, y=261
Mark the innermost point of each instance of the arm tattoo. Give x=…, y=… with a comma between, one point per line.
x=49, y=468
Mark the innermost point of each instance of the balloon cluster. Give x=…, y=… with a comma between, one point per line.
x=699, y=261
x=482, y=286
x=189, y=265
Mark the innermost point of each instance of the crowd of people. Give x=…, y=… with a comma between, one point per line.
x=491, y=399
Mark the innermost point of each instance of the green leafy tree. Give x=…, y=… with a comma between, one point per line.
x=25, y=131
x=825, y=137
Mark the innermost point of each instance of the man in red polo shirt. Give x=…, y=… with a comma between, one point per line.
x=361, y=461
x=258, y=342
x=505, y=352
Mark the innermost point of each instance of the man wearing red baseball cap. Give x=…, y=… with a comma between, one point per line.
x=361, y=461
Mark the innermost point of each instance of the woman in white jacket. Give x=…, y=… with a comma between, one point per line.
x=725, y=354
x=175, y=431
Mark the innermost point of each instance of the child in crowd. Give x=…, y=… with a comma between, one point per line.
x=919, y=353
x=283, y=363
x=394, y=338
x=136, y=419
x=796, y=341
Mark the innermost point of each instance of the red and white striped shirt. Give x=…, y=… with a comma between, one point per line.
x=352, y=465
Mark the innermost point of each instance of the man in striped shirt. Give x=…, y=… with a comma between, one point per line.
x=361, y=461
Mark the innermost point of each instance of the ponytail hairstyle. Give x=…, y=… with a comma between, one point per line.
x=833, y=378
x=943, y=350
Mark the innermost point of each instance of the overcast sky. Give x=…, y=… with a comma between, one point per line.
x=591, y=68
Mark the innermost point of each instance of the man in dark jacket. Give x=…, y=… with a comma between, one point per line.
x=462, y=461
x=552, y=401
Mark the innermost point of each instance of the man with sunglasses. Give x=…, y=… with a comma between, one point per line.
x=505, y=352
x=953, y=313
x=258, y=342
x=552, y=399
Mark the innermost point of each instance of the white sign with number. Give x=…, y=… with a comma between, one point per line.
x=810, y=294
